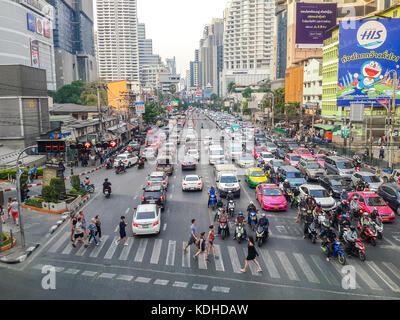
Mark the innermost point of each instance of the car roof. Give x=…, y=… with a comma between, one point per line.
x=338, y=158
x=192, y=176
x=367, y=194
x=289, y=169
x=308, y=159
x=153, y=188
x=312, y=186
x=270, y=186
x=365, y=173
x=146, y=207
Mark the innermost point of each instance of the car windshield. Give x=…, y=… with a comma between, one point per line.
x=293, y=175
x=192, y=179
x=271, y=192
x=228, y=179
x=371, y=179
x=345, y=165
x=267, y=155
x=375, y=202
x=152, y=194
x=216, y=152
x=145, y=215
x=188, y=159
x=294, y=158
x=156, y=178
x=303, y=151
x=277, y=164
x=319, y=193
x=120, y=158
x=313, y=165
x=257, y=174
x=321, y=158
x=338, y=183
x=247, y=158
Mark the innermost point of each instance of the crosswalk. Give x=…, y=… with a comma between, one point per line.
x=279, y=266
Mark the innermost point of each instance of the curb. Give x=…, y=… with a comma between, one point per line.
x=23, y=257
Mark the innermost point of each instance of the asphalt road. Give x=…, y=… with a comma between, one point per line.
x=154, y=267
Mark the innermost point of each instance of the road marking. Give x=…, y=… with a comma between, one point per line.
x=328, y=275
x=141, y=250
x=161, y=282
x=219, y=263
x=287, y=266
x=59, y=242
x=171, y=253
x=142, y=279
x=38, y=267
x=82, y=250
x=220, y=289
x=97, y=250
x=392, y=268
x=252, y=265
x=393, y=286
x=165, y=226
x=311, y=277
x=127, y=210
x=59, y=269
x=125, y=251
x=68, y=249
x=202, y=261
x=180, y=284
x=155, y=256
x=72, y=271
x=89, y=273
x=124, y=277
x=271, y=268
x=200, y=286
x=339, y=267
x=107, y=275
x=116, y=228
x=170, y=196
x=185, y=257
x=234, y=259
x=111, y=250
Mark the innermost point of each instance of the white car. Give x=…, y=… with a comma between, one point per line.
x=320, y=194
x=245, y=161
x=266, y=156
x=146, y=219
x=194, y=153
x=127, y=158
x=192, y=182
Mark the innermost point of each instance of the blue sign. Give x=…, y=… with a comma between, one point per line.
x=369, y=55
x=139, y=103
x=31, y=22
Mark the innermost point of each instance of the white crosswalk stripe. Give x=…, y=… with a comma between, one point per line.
x=202, y=261
x=185, y=257
x=271, y=268
x=393, y=269
x=252, y=265
x=82, y=250
x=68, y=248
x=287, y=266
x=125, y=251
x=381, y=274
x=59, y=242
x=96, y=251
x=111, y=250
x=322, y=268
x=305, y=267
x=141, y=250
x=171, y=253
x=219, y=263
x=155, y=255
x=234, y=259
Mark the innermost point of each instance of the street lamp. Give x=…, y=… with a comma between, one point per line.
x=391, y=111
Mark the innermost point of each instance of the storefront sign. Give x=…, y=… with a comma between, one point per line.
x=35, y=62
x=31, y=22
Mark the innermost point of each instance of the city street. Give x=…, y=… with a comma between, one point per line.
x=155, y=267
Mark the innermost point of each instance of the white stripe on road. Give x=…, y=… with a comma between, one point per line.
x=165, y=226
x=185, y=257
x=170, y=196
x=142, y=279
x=141, y=250
x=234, y=259
x=116, y=229
x=96, y=251
x=89, y=273
x=60, y=242
x=199, y=286
x=311, y=277
x=287, y=266
x=392, y=268
x=161, y=282
x=125, y=251
x=127, y=210
x=180, y=284
x=220, y=289
x=107, y=275
x=328, y=275
x=155, y=256
x=68, y=248
x=219, y=263
x=271, y=268
x=72, y=271
x=124, y=277
x=252, y=265
x=202, y=261
x=393, y=286
x=111, y=250
x=82, y=250
x=171, y=253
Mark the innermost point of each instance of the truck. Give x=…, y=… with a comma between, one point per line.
x=390, y=176
x=226, y=179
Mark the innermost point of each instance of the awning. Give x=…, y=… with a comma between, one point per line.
x=279, y=130
x=327, y=127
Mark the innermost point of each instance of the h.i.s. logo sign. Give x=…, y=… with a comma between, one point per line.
x=371, y=35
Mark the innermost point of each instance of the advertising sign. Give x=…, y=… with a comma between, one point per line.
x=140, y=108
x=198, y=94
x=46, y=28
x=312, y=22
x=31, y=22
x=35, y=62
x=368, y=56
x=39, y=26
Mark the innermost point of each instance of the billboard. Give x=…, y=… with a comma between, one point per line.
x=140, y=108
x=35, y=62
x=31, y=22
x=368, y=56
x=199, y=94
x=46, y=28
x=312, y=22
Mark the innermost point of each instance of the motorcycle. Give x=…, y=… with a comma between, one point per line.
x=213, y=202
x=140, y=165
x=231, y=208
x=253, y=220
x=357, y=163
x=107, y=192
x=312, y=232
x=240, y=232
x=223, y=226
x=261, y=235
x=295, y=202
x=357, y=250
x=89, y=188
x=369, y=233
x=336, y=252
x=108, y=165
x=379, y=227
x=120, y=169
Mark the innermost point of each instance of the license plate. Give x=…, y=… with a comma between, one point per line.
x=276, y=208
x=152, y=201
x=191, y=188
x=145, y=226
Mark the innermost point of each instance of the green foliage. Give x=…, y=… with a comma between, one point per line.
x=49, y=194
x=151, y=112
x=34, y=202
x=75, y=182
x=58, y=185
x=213, y=97
x=246, y=110
x=172, y=88
x=80, y=191
x=247, y=93
x=4, y=237
x=279, y=99
x=225, y=108
x=292, y=108
x=79, y=92
x=6, y=172
x=265, y=87
x=231, y=87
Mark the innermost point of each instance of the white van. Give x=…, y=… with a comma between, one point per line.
x=215, y=153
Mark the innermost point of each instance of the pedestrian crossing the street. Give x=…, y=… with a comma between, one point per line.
x=278, y=266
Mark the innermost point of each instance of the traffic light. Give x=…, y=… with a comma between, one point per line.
x=24, y=187
x=50, y=146
x=113, y=143
x=87, y=145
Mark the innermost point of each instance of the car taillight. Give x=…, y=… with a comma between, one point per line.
x=185, y=184
x=125, y=160
x=164, y=182
x=161, y=197
x=148, y=183
x=199, y=184
x=135, y=225
x=155, y=223
x=142, y=197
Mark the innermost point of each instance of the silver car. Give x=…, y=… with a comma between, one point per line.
x=312, y=170
x=372, y=179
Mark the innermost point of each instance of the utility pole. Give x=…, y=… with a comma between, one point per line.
x=273, y=111
x=100, y=113
x=392, y=111
x=370, y=131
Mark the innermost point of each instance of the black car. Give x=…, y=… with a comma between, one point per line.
x=390, y=192
x=279, y=154
x=154, y=194
x=188, y=162
x=335, y=184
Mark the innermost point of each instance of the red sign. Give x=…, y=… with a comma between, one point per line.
x=113, y=144
x=46, y=29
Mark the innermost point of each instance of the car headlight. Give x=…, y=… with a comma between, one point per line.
x=284, y=202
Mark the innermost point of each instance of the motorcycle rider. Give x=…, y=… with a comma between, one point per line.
x=263, y=222
x=365, y=221
x=211, y=192
x=350, y=236
x=374, y=214
x=328, y=236
x=106, y=185
x=361, y=185
x=251, y=208
x=141, y=161
x=87, y=182
x=121, y=165
x=223, y=217
x=296, y=193
x=239, y=219
x=310, y=202
x=302, y=205
x=344, y=195
x=318, y=210
x=309, y=218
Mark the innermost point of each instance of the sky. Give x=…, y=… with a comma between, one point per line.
x=176, y=26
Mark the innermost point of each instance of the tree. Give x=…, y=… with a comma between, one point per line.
x=213, y=97
x=279, y=98
x=172, y=88
x=246, y=110
x=265, y=87
x=247, y=93
x=231, y=87
x=69, y=93
x=151, y=112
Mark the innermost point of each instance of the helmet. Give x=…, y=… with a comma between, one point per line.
x=344, y=216
x=375, y=210
x=263, y=215
x=326, y=224
x=318, y=204
x=365, y=214
x=286, y=180
x=240, y=213
x=352, y=228
x=87, y=177
x=345, y=202
x=251, y=202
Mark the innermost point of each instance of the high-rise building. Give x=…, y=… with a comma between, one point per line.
x=74, y=41
x=211, y=55
x=171, y=64
x=117, y=40
x=248, y=42
x=280, y=39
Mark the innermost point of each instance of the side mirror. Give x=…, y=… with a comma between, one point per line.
x=239, y=180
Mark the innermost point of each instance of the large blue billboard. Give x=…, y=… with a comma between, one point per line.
x=369, y=52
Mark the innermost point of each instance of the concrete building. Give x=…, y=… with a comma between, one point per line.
x=248, y=42
x=149, y=75
x=171, y=64
x=294, y=84
x=74, y=41
x=165, y=80
x=312, y=84
x=117, y=40
x=119, y=91
x=280, y=39
x=23, y=105
x=26, y=37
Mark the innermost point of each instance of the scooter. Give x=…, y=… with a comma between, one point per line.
x=261, y=235
x=357, y=250
x=295, y=202
x=107, y=192
x=379, y=227
x=223, y=226
x=369, y=233
x=231, y=208
x=120, y=169
x=213, y=201
x=109, y=165
x=140, y=164
x=312, y=232
x=336, y=253
x=89, y=188
x=241, y=233
x=253, y=220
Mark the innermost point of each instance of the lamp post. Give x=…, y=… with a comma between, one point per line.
x=390, y=113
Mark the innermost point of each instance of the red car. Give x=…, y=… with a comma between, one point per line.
x=320, y=158
x=369, y=200
x=257, y=151
x=302, y=152
x=271, y=197
x=292, y=159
